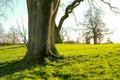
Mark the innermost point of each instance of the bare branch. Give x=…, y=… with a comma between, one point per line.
x=114, y=9
x=90, y=2
x=68, y=10
x=23, y=35
x=75, y=18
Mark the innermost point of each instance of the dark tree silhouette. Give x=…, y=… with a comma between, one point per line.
x=41, y=15
x=95, y=27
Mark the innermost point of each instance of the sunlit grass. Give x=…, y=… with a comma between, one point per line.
x=82, y=62
x=9, y=53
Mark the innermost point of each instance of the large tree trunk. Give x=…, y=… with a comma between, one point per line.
x=41, y=18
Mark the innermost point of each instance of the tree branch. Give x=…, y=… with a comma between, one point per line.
x=23, y=35
x=68, y=10
x=75, y=18
x=114, y=9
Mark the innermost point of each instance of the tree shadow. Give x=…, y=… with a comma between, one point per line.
x=13, y=47
x=8, y=68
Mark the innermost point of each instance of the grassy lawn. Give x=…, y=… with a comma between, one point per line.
x=82, y=62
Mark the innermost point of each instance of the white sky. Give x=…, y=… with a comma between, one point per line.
x=110, y=18
x=112, y=21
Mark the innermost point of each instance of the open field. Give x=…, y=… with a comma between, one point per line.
x=82, y=62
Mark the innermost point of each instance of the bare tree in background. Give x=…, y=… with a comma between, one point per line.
x=1, y=29
x=22, y=32
x=1, y=33
x=87, y=36
x=67, y=32
x=94, y=25
x=13, y=35
x=62, y=34
x=5, y=7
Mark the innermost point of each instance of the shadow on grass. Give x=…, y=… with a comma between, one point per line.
x=14, y=66
x=13, y=47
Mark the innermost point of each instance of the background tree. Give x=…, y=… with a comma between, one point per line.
x=1, y=29
x=94, y=25
x=13, y=35
x=67, y=34
x=87, y=36
x=1, y=32
x=22, y=32
x=5, y=7
x=62, y=34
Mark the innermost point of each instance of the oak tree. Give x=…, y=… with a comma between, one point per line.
x=41, y=21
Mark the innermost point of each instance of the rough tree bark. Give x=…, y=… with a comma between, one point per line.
x=41, y=18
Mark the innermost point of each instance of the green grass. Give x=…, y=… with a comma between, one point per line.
x=82, y=62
